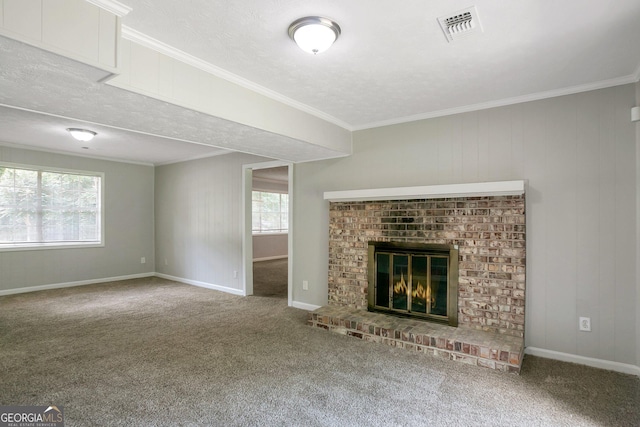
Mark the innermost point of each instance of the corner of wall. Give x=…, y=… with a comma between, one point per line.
x=637, y=124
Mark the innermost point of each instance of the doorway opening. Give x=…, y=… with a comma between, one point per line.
x=270, y=231
x=267, y=239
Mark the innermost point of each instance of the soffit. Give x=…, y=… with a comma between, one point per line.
x=35, y=112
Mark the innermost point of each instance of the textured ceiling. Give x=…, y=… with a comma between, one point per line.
x=46, y=93
x=392, y=60
x=391, y=64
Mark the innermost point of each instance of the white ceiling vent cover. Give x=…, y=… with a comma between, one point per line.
x=460, y=24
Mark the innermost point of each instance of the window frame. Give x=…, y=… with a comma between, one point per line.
x=274, y=232
x=30, y=246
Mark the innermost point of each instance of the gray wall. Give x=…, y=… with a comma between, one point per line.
x=128, y=228
x=637, y=229
x=578, y=154
x=270, y=185
x=270, y=246
x=199, y=219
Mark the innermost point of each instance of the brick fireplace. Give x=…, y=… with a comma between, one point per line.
x=489, y=232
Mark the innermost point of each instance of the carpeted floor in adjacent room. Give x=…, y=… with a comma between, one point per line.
x=270, y=278
x=151, y=352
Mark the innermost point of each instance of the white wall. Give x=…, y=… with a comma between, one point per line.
x=199, y=220
x=578, y=153
x=128, y=228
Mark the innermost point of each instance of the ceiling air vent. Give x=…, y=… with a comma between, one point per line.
x=460, y=24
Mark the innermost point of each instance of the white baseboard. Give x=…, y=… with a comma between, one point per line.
x=226, y=289
x=117, y=278
x=269, y=258
x=582, y=360
x=72, y=284
x=304, y=306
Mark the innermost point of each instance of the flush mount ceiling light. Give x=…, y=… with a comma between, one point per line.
x=314, y=34
x=82, y=134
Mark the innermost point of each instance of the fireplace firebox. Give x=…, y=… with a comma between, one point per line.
x=415, y=280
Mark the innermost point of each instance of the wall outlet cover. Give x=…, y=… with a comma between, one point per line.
x=585, y=324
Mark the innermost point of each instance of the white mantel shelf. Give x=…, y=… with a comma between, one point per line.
x=477, y=189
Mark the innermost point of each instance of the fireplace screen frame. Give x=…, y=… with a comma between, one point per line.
x=420, y=250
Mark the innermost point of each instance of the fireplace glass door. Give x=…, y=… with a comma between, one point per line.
x=414, y=283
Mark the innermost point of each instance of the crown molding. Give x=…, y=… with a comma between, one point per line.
x=72, y=154
x=631, y=78
x=112, y=6
x=170, y=51
x=158, y=46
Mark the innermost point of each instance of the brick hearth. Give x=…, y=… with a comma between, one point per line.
x=486, y=349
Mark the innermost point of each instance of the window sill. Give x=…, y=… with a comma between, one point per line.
x=56, y=245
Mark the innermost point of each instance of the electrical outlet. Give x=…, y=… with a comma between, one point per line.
x=166, y=262
x=143, y=260
x=305, y=285
x=235, y=274
x=585, y=324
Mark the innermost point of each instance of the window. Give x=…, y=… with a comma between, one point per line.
x=41, y=207
x=270, y=212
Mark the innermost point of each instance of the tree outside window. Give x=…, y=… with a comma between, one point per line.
x=39, y=206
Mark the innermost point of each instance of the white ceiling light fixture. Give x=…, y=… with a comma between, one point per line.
x=81, y=134
x=314, y=34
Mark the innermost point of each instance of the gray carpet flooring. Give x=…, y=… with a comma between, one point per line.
x=270, y=278
x=151, y=352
